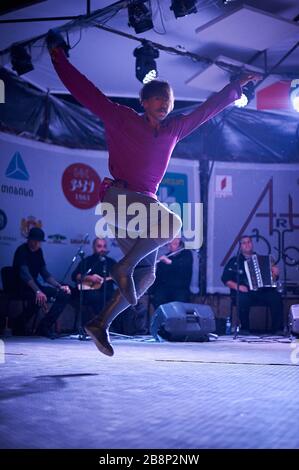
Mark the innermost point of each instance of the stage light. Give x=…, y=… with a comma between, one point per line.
x=242, y=101
x=140, y=16
x=247, y=95
x=183, y=7
x=20, y=59
x=294, y=94
x=146, y=67
x=295, y=103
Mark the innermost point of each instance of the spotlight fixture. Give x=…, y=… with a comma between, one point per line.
x=247, y=95
x=183, y=7
x=227, y=2
x=140, y=16
x=294, y=94
x=20, y=59
x=146, y=67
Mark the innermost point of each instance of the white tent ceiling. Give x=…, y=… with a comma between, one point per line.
x=215, y=30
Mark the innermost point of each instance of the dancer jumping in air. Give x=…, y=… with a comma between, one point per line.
x=140, y=147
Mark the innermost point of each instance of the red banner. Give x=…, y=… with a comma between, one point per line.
x=275, y=96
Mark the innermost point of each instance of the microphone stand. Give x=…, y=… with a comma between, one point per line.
x=282, y=289
x=237, y=322
x=81, y=332
x=103, y=259
x=79, y=253
x=284, y=285
x=104, y=271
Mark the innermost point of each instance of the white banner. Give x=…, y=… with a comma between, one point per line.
x=257, y=200
x=56, y=188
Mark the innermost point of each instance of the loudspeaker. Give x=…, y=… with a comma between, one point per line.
x=179, y=321
x=294, y=318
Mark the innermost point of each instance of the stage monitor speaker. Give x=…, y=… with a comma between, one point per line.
x=294, y=318
x=179, y=321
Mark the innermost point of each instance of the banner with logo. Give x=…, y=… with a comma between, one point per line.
x=57, y=189
x=257, y=200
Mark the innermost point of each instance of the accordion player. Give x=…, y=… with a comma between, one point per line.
x=258, y=270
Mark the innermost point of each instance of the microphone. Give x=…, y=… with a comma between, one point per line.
x=104, y=266
x=80, y=252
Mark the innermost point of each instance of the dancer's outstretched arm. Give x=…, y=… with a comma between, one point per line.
x=214, y=105
x=81, y=88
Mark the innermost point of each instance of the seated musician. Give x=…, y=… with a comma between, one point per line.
x=267, y=296
x=95, y=270
x=173, y=276
x=28, y=264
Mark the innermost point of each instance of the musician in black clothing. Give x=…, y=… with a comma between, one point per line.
x=173, y=276
x=28, y=264
x=96, y=271
x=264, y=296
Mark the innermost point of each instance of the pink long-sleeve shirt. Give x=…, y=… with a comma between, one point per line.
x=138, y=154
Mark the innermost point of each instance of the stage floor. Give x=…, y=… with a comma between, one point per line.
x=223, y=394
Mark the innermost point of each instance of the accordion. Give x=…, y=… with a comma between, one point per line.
x=258, y=272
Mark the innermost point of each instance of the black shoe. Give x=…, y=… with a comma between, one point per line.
x=100, y=336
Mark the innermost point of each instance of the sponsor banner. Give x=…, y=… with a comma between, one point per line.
x=57, y=189
x=257, y=200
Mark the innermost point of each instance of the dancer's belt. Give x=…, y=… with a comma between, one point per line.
x=117, y=183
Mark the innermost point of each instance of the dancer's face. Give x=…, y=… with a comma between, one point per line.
x=159, y=106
